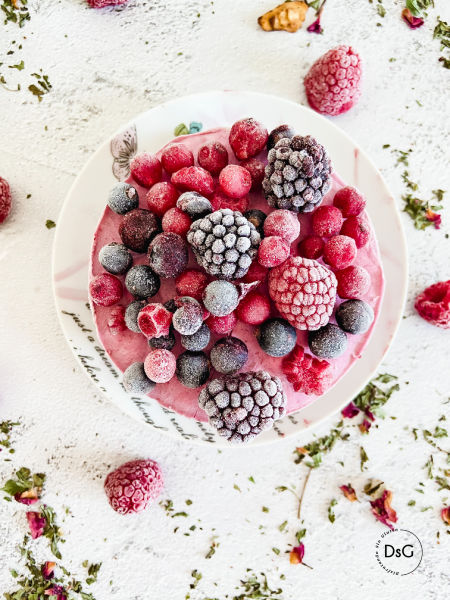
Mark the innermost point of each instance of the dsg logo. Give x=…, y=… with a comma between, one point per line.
x=398, y=551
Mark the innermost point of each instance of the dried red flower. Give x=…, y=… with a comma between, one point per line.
x=435, y=218
x=382, y=509
x=58, y=591
x=365, y=426
x=348, y=492
x=296, y=555
x=315, y=27
x=412, y=21
x=48, y=569
x=29, y=496
x=36, y=523
x=445, y=514
x=350, y=411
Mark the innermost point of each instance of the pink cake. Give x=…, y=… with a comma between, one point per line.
x=126, y=347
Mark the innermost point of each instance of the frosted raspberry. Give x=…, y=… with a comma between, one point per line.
x=304, y=292
x=256, y=272
x=146, y=169
x=353, y=282
x=433, y=304
x=194, y=179
x=311, y=247
x=160, y=365
x=191, y=283
x=256, y=168
x=327, y=221
x=339, y=251
x=247, y=138
x=176, y=221
x=357, y=227
x=132, y=486
x=176, y=157
x=103, y=3
x=307, y=374
x=283, y=223
x=221, y=200
x=349, y=201
x=222, y=325
x=273, y=251
x=235, y=181
x=161, y=197
x=253, y=309
x=333, y=83
x=213, y=157
x=154, y=320
x=105, y=289
x=5, y=199
x=116, y=320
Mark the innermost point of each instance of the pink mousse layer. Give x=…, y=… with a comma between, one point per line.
x=129, y=347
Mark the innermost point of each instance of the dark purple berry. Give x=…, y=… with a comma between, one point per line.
x=115, y=258
x=188, y=318
x=228, y=355
x=171, y=305
x=168, y=255
x=123, y=198
x=142, y=282
x=192, y=369
x=283, y=131
x=276, y=337
x=328, y=341
x=138, y=228
x=135, y=381
x=194, y=204
x=198, y=340
x=131, y=315
x=164, y=342
x=354, y=316
x=257, y=217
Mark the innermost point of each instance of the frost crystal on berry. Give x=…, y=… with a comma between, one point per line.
x=131, y=487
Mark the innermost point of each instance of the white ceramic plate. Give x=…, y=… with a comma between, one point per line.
x=149, y=132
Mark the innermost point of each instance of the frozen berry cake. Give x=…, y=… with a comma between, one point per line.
x=234, y=276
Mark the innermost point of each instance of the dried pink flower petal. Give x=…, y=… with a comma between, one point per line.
x=445, y=514
x=348, y=492
x=315, y=27
x=48, y=569
x=58, y=591
x=28, y=497
x=412, y=21
x=350, y=411
x=365, y=426
x=36, y=523
x=434, y=217
x=382, y=509
x=297, y=553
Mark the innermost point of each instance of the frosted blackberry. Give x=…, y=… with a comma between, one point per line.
x=257, y=217
x=198, y=340
x=194, y=204
x=297, y=174
x=220, y=298
x=142, y=282
x=224, y=243
x=242, y=406
x=131, y=315
x=135, y=381
x=328, y=341
x=192, y=369
x=276, y=337
x=123, y=198
x=164, y=342
x=228, y=355
x=115, y=258
x=354, y=316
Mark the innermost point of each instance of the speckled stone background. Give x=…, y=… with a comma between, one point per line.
x=106, y=66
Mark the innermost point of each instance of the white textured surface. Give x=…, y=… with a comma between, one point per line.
x=102, y=74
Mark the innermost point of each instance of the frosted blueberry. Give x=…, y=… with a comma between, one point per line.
x=123, y=198
x=135, y=381
x=115, y=258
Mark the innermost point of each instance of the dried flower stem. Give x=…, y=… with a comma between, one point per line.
x=300, y=500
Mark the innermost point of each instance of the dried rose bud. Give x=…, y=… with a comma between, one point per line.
x=349, y=492
x=37, y=524
x=445, y=514
x=434, y=218
x=412, y=21
x=382, y=509
x=29, y=496
x=58, y=591
x=365, y=426
x=297, y=553
x=48, y=569
x=350, y=411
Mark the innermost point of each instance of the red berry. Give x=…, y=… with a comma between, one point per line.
x=235, y=181
x=357, y=228
x=253, y=309
x=247, y=138
x=339, y=251
x=256, y=272
x=194, y=179
x=116, y=320
x=283, y=223
x=307, y=374
x=154, y=320
x=311, y=247
x=132, y=486
x=5, y=199
x=146, y=169
x=433, y=304
x=273, y=251
x=349, y=201
x=161, y=197
x=222, y=325
x=160, y=365
x=213, y=157
x=221, y=200
x=176, y=157
x=105, y=289
x=353, y=282
x=256, y=168
x=327, y=221
x=176, y=221
x=191, y=283
x=333, y=83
